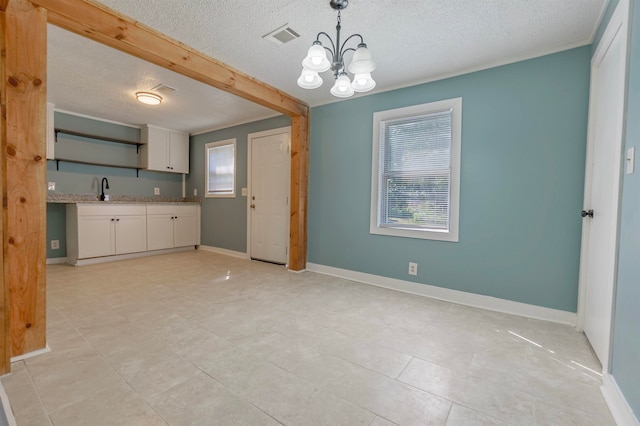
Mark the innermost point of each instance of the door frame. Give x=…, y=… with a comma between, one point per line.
x=250, y=137
x=618, y=22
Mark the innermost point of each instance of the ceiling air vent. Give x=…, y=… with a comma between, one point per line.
x=282, y=35
x=163, y=88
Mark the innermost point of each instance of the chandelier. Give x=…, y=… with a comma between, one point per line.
x=316, y=62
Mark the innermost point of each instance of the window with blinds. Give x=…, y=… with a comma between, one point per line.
x=221, y=166
x=416, y=171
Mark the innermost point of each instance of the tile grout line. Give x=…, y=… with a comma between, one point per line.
x=26, y=367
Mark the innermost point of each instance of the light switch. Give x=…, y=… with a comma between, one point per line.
x=244, y=192
x=630, y=160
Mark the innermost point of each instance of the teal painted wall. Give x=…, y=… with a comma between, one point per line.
x=524, y=128
x=224, y=220
x=75, y=178
x=626, y=328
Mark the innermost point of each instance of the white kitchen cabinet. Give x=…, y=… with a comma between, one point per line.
x=164, y=150
x=170, y=225
x=95, y=230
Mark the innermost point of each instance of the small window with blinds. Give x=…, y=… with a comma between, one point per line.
x=221, y=168
x=416, y=171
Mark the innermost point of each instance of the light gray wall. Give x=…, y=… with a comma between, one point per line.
x=224, y=220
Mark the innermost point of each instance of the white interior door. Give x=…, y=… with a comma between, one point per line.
x=269, y=197
x=602, y=183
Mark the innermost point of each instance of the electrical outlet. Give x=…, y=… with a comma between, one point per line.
x=195, y=192
x=413, y=268
x=156, y=191
x=51, y=186
x=55, y=244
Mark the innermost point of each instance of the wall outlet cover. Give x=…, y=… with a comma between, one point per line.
x=195, y=192
x=413, y=268
x=244, y=192
x=55, y=244
x=51, y=186
x=156, y=191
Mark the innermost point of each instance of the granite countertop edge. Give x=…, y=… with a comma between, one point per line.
x=118, y=199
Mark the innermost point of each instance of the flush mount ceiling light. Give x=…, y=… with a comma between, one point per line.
x=148, y=98
x=316, y=61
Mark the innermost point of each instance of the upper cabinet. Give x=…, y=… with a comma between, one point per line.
x=164, y=150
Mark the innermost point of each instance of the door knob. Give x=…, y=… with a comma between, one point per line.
x=253, y=206
x=586, y=213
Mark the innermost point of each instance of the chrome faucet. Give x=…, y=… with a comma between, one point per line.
x=104, y=179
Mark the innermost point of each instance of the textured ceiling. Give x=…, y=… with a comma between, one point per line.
x=412, y=41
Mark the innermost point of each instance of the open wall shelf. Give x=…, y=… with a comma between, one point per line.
x=68, y=159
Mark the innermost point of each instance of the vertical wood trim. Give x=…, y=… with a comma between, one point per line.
x=5, y=343
x=299, y=185
x=26, y=93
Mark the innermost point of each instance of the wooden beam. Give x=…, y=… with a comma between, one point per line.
x=99, y=23
x=299, y=185
x=25, y=155
x=5, y=342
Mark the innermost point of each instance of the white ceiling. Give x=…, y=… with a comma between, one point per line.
x=412, y=41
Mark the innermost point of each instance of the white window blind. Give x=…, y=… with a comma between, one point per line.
x=221, y=168
x=415, y=172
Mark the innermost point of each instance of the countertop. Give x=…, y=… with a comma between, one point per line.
x=53, y=197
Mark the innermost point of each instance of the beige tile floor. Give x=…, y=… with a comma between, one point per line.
x=202, y=339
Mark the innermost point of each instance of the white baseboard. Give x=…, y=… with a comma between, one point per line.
x=31, y=354
x=56, y=260
x=618, y=405
x=106, y=259
x=454, y=296
x=8, y=412
x=224, y=251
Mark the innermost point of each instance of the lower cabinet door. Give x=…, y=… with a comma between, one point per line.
x=159, y=231
x=131, y=233
x=185, y=227
x=96, y=236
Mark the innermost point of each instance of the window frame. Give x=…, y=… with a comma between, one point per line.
x=231, y=142
x=452, y=235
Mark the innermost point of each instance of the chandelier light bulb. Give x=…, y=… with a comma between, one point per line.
x=362, y=61
x=309, y=79
x=316, y=59
x=342, y=88
x=363, y=82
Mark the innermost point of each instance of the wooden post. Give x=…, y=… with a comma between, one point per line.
x=24, y=151
x=5, y=343
x=299, y=185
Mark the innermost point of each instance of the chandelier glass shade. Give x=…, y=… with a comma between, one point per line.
x=316, y=61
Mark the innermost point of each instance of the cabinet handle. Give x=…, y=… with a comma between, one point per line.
x=118, y=220
x=112, y=219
